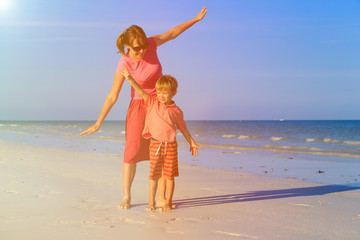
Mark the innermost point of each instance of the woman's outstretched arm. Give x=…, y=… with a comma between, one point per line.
x=109, y=103
x=176, y=31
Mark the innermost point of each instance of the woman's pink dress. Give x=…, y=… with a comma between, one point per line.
x=146, y=72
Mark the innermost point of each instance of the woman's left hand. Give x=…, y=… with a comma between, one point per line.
x=201, y=14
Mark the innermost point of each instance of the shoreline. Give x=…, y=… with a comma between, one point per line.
x=61, y=194
x=325, y=161
x=276, y=165
x=263, y=163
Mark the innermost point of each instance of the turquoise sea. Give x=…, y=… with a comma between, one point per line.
x=317, y=151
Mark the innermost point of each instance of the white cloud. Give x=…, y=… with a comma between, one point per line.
x=59, y=24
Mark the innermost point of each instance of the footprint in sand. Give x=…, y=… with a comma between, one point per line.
x=302, y=205
x=212, y=190
x=200, y=220
x=246, y=236
x=174, y=232
x=11, y=191
x=132, y=221
x=42, y=196
x=92, y=204
x=100, y=222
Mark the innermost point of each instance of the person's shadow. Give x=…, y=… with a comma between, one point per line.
x=263, y=195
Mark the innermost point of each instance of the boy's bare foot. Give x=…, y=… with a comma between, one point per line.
x=160, y=204
x=150, y=207
x=166, y=207
x=125, y=203
x=160, y=201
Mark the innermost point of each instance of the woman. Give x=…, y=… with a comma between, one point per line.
x=143, y=64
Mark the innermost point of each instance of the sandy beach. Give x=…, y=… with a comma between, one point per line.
x=50, y=193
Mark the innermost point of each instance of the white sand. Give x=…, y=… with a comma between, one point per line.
x=56, y=194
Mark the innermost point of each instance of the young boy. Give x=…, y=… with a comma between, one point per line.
x=162, y=119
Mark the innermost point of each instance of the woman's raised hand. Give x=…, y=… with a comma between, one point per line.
x=90, y=130
x=201, y=14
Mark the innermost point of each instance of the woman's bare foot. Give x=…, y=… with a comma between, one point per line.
x=125, y=203
x=150, y=207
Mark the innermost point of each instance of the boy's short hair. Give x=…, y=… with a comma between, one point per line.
x=167, y=82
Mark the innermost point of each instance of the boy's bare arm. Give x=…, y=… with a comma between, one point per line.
x=133, y=83
x=193, y=146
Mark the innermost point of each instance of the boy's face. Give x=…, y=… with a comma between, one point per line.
x=164, y=96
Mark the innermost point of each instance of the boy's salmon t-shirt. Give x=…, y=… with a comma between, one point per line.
x=145, y=72
x=162, y=120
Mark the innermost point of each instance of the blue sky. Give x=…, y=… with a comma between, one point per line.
x=247, y=60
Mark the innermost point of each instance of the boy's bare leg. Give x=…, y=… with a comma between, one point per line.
x=152, y=192
x=129, y=170
x=161, y=199
x=170, y=187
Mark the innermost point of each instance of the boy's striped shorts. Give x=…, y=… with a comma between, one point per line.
x=163, y=158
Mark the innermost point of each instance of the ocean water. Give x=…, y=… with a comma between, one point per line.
x=335, y=140
x=321, y=151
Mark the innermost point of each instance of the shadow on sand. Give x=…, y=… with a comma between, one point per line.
x=263, y=195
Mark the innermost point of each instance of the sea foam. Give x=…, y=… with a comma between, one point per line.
x=279, y=138
x=229, y=136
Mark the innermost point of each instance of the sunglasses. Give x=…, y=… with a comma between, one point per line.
x=138, y=49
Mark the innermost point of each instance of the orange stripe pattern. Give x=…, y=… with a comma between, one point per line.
x=165, y=161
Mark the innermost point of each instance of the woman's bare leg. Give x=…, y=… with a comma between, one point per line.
x=129, y=170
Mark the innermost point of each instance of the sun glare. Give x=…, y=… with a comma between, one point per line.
x=4, y=4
